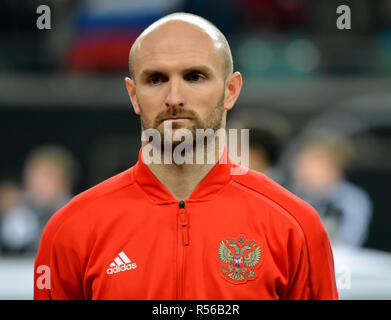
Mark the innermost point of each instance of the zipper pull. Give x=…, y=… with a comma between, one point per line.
x=183, y=223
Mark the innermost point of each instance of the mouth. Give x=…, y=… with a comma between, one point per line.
x=176, y=119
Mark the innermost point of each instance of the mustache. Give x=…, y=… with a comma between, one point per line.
x=174, y=113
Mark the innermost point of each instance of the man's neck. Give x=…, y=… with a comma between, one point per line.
x=181, y=180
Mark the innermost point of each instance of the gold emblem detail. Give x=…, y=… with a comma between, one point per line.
x=238, y=259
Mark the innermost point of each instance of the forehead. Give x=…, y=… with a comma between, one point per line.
x=177, y=45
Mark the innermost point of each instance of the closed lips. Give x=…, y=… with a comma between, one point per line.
x=177, y=118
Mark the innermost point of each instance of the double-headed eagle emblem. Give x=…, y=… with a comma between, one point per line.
x=239, y=259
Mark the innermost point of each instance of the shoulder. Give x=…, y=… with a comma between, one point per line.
x=77, y=212
x=107, y=187
x=293, y=211
x=288, y=204
x=349, y=189
x=351, y=196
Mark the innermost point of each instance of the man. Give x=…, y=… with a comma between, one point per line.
x=48, y=178
x=184, y=231
x=319, y=179
x=49, y=175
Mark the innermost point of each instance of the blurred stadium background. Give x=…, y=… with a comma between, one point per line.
x=64, y=87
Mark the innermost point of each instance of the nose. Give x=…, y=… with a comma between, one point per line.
x=175, y=98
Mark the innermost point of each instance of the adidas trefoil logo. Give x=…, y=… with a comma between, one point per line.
x=121, y=263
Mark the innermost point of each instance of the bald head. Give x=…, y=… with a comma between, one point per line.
x=198, y=29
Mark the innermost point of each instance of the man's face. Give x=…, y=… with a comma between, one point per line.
x=45, y=181
x=178, y=73
x=315, y=169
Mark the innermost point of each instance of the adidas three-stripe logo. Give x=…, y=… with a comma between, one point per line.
x=121, y=263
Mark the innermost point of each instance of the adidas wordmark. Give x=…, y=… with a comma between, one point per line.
x=121, y=263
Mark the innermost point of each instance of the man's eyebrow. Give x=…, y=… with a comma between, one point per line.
x=200, y=68
x=149, y=72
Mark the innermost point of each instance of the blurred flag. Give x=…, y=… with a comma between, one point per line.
x=106, y=29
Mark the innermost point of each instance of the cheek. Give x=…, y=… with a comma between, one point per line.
x=207, y=100
x=146, y=102
x=149, y=106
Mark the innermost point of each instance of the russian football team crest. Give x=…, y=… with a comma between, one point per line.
x=239, y=259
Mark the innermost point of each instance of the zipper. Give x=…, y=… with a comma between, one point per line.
x=183, y=242
x=183, y=223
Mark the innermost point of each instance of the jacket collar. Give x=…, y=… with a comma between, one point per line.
x=213, y=182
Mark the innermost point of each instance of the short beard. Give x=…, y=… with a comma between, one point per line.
x=212, y=121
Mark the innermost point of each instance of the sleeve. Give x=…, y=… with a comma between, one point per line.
x=322, y=271
x=312, y=274
x=57, y=272
x=298, y=286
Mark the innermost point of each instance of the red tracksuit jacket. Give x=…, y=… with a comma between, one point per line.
x=236, y=237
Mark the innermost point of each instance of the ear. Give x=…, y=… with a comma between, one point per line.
x=131, y=87
x=233, y=85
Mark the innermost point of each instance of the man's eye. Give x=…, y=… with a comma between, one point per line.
x=155, y=79
x=194, y=77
